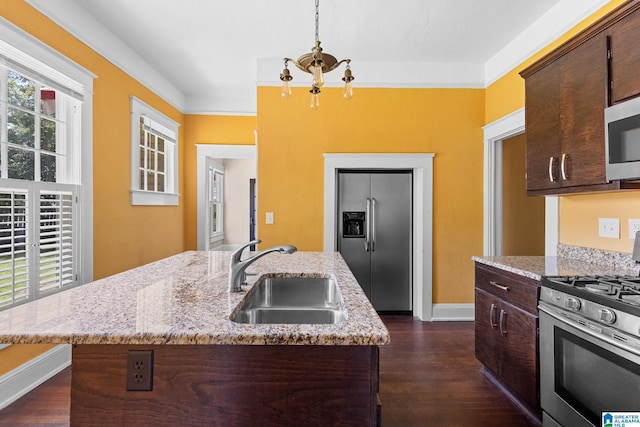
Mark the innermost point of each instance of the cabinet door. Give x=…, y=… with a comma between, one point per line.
x=583, y=98
x=542, y=117
x=487, y=338
x=625, y=61
x=519, y=369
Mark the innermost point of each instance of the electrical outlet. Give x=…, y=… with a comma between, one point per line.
x=634, y=227
x=609, y=227
x=140, y=370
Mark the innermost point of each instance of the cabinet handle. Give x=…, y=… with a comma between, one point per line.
x=563, y=172
x=503, y=326
x=499, y=286
x=551, y=160
x=492, y=317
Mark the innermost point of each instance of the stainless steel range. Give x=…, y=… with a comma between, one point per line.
x=589, y=348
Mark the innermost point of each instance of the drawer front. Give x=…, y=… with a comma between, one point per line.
x=518, y=290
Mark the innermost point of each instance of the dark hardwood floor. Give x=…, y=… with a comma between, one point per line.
x=428, y=377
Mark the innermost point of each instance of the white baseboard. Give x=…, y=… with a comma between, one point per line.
x=21, y=380
x=453, y=312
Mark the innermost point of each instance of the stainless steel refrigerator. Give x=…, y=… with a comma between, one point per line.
x=375, y=234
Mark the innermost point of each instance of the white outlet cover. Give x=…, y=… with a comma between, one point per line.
x=634, y=227
x=609, y=227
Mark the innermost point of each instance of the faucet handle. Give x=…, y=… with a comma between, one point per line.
x=237, y=254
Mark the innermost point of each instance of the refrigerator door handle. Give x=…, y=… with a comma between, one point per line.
x=373, y=224
x=367, y=221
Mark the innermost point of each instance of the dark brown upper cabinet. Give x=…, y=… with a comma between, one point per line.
x=566, y=94
x=624, y=38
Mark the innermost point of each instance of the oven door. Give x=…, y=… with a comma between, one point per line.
x=583, y=374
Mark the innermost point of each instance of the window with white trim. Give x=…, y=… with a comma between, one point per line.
x=40, y=177
x=216, y=202
x=154, y=156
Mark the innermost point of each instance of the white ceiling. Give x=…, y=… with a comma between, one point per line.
x=208, y=55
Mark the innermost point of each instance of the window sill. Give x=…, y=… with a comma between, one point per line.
x=152, y=198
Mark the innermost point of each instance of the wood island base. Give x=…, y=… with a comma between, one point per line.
x=228, y=385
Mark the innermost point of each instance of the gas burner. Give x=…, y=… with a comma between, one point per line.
x=631, y=298
x=597, y=288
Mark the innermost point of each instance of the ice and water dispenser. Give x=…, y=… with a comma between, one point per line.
x=353, y=224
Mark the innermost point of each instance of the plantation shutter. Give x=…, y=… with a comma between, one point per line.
x=14, y=256
x=43, y=250
x=56, y=240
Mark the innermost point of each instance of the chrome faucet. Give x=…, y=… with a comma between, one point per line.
x=237, y=275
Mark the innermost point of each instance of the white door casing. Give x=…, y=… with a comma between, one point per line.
x=422, y=166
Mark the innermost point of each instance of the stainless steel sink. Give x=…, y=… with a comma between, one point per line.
x=292, y=300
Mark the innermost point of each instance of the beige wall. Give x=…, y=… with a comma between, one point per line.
x=237, y=173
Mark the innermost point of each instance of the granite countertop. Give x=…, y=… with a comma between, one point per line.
x=184, y=299
x=571, y=261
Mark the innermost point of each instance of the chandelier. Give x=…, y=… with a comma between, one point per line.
x=317, y=64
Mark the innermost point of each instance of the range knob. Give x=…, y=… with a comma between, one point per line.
x=607, y=316
x=572, y=304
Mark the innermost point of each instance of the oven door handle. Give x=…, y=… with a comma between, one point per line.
x=569, y=322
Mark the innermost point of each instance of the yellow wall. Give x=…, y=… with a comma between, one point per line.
x=522, y=216
x=124, y=236
x=447, y=122
x=207, y=129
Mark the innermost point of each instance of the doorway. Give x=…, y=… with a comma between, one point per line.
x=238, y=177
x=494, y=133
x=522, y=216
x=422, y=213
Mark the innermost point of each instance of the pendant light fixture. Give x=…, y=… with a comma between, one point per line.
x=317, y=64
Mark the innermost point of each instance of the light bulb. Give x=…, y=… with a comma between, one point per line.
x=286, y=89
x=318, y=77
x=348, y=91
x=315, y=101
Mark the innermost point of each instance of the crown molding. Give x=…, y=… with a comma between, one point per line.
x=559, y=19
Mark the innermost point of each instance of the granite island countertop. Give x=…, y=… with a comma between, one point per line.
x=184, y=299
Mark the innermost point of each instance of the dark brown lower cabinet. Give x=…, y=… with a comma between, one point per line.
x=228, y=385
x=506, y=333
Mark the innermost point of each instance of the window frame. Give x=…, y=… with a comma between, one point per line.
x=170, y=195
x=33, y=59
x=215, y=201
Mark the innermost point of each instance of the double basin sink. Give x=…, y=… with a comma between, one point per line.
x=292, y=300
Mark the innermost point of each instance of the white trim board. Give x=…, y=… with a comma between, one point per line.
x=422, y=166
x=26, y=377
x=454, y=312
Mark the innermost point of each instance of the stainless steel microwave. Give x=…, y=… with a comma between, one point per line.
x=622, y=140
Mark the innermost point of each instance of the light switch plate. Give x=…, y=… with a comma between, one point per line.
x=269, y=218
x=609, y=227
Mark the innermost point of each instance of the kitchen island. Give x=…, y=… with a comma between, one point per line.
x=207, y=369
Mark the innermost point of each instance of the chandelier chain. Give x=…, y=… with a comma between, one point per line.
x=317, y=20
